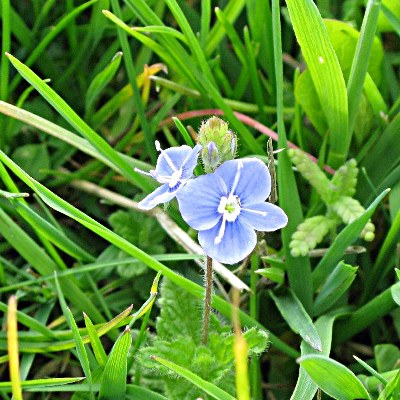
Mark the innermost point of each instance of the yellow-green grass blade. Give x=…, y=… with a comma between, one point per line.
x=12, y=347
x=30, y=322
x=325, y=72
x=40, y=344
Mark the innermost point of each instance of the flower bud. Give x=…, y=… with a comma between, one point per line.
x=219, y=143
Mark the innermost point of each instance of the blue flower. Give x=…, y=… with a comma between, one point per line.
x=227, y=206
x=173, y=169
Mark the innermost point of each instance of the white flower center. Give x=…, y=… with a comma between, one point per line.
x=175, y=178
x=229, y=207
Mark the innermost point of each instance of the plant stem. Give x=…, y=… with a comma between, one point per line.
x=207, y=299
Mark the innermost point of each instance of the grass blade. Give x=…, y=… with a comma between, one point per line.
x=12, y=346
x=70, y=116
x=113, y=384
x=299, y=268
x=297, y=318
x=325, y=72
x=214, y=391
x=344, y=386
x=359, y=66
x=345, y=238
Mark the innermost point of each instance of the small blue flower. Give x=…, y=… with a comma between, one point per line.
x=227, y=206
x=174, y=168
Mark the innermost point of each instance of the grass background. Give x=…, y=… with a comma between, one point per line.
x=86, y=88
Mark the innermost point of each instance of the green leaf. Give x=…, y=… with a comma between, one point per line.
x=387, y=357
x=34, y=158
x=325, y=72
x=101, y=80
x=40, y=383
x=334, y=287
x=274, y=274
x=213, y=390
x=113, y=384
x=345, y=238
x=80, y=346
x=134, y=392
x=97, y=347
x=344, y=385
x=297, y=318
x=305, y=387
x=71, y=117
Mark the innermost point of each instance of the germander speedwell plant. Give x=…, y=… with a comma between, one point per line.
x=226, y=205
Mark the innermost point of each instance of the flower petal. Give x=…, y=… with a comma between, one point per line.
x=190, y=163
x=254, y=184
x=199, y=200
x=161, y=195
x=173, y=155
x=273, y=219
x=237, y=242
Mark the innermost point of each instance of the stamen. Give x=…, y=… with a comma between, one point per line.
x=218, y=239
x=169, y=161
x=142, y=172
x=237, y=177
x=263, y=213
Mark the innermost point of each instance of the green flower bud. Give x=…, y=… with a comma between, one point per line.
x=219, y=143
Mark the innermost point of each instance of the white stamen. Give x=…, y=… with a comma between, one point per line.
x=142, y=172
x=237, y=177
x=169, y=161
x=263, y=213
x=218, y=239
x=175, y=178
x=222, y=205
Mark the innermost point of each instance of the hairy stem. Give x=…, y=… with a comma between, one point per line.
x=208, y=283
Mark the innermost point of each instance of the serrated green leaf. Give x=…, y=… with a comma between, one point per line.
x=113, y=384
x=207, y=387
x=297, y=318
x=344, y=386
x=334, y=287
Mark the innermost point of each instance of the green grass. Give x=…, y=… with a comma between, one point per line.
x=85, y=90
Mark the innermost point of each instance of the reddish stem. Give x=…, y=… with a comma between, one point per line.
x=246, y=120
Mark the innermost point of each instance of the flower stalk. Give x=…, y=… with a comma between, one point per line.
x=208, y=284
